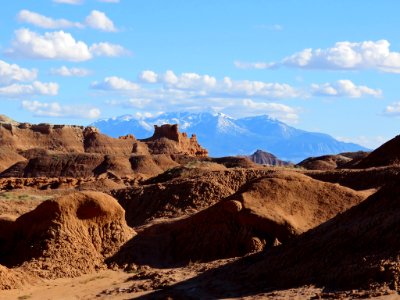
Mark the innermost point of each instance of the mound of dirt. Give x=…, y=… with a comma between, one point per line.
x=386, y=155
x=269, y=210
x=181, y=191
x=265, y=158
x=354, y=250
x=67, y=237
x=11, y=279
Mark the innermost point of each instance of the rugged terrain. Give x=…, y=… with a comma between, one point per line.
x=90, y=216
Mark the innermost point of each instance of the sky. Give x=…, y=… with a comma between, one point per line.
x=326, y=66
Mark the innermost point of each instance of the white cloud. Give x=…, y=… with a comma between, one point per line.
x=206, y=85
x=51, y=45
x=107, y=49
x=115, y=84
x=36, y=88
x=74, y=2
x=58, y=45
x=344, y=88
x=344, y=56
x=70, y=72
x=392, y=110
x=253, y=65
x=36, y=19
x=12, y=73
x=99, y=20
x=55, y=109
x=148, y=76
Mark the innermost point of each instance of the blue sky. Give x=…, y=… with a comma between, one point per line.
x=332, y=67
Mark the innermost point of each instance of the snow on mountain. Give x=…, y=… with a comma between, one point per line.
x=223, y=135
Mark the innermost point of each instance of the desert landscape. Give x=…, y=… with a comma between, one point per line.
x=87, y=216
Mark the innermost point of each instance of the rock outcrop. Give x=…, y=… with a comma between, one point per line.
x=29, y=150
x=67, y=237
x=168, y=140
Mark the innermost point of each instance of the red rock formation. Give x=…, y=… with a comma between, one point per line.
x=168, y=140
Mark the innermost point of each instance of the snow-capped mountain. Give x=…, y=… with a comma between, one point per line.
x=224, y=136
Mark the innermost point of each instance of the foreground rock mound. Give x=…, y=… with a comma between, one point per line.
x=270, y=210
x=67, y=237
x=353, y=250
x=358, y=249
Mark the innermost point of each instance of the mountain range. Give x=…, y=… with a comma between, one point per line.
x=226, y=136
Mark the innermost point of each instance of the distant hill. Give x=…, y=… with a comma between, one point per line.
x=226, y=136
x=265, y=158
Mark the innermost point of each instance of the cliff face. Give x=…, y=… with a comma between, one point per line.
x=28, y=150
x=168, y=139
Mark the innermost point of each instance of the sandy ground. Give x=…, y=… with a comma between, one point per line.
x=91, y=286
x=122, y=285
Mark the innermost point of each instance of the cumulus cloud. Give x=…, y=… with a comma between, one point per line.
x=55, y=109
x=26, y=16
x=253, y=65
x=14, y=73
x=115, y=84
x=392, y=110
x=36, y=88
x=206, y=85
x=99, y=20
x=343, y=56
x=58, y=45
x=107, y=49
x=344, y=88
x=70, y=72
x=51, y=45
x=95, y=20
x=148, y=76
